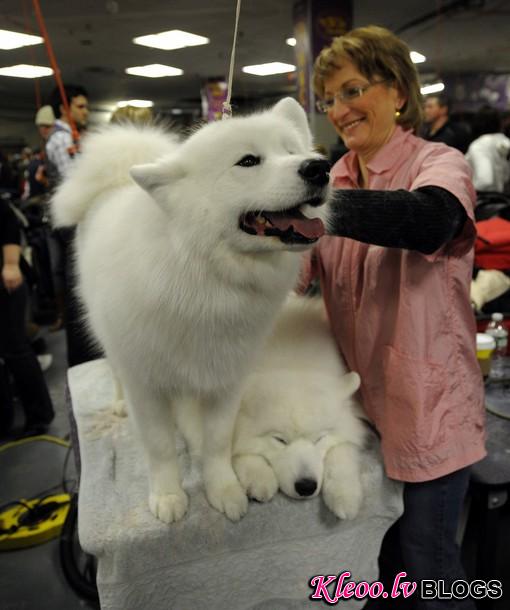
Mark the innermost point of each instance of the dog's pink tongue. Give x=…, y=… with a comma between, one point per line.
x=311, y=228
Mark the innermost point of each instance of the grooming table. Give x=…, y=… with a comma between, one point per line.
x=206, y=562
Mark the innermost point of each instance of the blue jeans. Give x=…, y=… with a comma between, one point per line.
x=423, y=542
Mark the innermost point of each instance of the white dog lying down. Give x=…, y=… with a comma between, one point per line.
x=299, y=428
x=184, y=260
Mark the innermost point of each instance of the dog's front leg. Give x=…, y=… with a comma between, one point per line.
x=341, y=487
x=221, y=485
x=154, y=419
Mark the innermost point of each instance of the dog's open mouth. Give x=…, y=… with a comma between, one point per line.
x=290, y=226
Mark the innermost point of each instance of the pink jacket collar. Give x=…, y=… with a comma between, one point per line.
x=384, y=159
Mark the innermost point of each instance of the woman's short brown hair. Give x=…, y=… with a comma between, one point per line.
x=375, y=51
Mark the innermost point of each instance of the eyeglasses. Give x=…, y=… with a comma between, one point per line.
x=346, y=96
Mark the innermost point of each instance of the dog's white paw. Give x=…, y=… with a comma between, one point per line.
x=168, y=507
x=119, y=408
x=256, y=477
x=229, y=499
x=344, y=500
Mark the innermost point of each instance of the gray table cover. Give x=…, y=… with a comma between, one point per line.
x=205, y=562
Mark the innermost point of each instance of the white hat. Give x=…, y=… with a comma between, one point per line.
x=45, y=116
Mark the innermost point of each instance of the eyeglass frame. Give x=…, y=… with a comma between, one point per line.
x=324, y=106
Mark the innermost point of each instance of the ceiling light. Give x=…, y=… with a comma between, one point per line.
x=154, y=71
x=417, y=58
x=135, y=103
x=176, y=111
x=173, y=39
x=274, y=67
x=434, y=88
x=14, y=40
x=25, y=71
x=291, y=42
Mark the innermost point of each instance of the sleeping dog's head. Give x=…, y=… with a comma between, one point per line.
x=254, y=182
x=292, y=420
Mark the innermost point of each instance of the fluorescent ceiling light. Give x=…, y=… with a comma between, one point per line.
x=417, y=58
x=291, y=42
x=154, y=71
x=173, y=39
x=14, y=40
x=135, y=103
x=434, y=88
x=274, y=67
x=176, y=111
x=25, y=71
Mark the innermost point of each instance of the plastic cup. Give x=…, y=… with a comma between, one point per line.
x=485, y=345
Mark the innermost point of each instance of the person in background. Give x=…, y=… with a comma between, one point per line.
x=45, y=121
x=60, y=152
x=7, y=176
x=36, y=175
x=15, y=349
x=489, y=153
x=395, y=273
x=60, y=147
x=439, y=127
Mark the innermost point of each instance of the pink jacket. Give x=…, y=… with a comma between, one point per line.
x=403, y=320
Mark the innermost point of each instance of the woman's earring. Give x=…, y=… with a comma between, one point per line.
x=397, y=113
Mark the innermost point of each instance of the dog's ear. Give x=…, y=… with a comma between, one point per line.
x=150, y=176
x=350, y=384
x=292, y=111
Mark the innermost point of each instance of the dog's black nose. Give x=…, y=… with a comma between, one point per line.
x=315, y=171
x=305, y=487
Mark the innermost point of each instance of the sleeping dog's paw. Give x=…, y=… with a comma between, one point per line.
x=229, y=499
x=256, y=477
x=343, y=499
x=168, y=507
x=119, y=408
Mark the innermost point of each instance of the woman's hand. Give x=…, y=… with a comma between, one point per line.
x=11, y=276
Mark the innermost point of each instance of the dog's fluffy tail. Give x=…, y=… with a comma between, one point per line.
x=103, y=164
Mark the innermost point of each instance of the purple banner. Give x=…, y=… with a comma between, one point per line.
x=469, y=92
x=316, y=23
x=214, y=93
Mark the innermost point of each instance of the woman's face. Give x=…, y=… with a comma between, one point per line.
x=367, y=122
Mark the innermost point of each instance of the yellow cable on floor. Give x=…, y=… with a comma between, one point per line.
x=40, y=437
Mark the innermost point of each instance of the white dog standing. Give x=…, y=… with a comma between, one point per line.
x=184, y=261
x=299, y=428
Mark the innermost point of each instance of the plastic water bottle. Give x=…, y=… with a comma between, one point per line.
x=497, y=329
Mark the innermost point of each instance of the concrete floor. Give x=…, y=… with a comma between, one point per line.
x=32, y=579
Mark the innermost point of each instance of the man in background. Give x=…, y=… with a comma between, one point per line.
x=36, y=184
x=60, y=147
x=61, y=150
x=439, y=127
x=45, y=120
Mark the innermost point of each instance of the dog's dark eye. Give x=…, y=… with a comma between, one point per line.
x=249, y=161
x=280, y=440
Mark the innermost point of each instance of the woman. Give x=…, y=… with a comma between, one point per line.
x=15, y=349
x=396, y=287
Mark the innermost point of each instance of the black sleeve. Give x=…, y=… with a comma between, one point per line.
x=9, y=227
x=421, y=220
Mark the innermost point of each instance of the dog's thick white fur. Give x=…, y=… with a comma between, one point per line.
x=299, y=428
x=179, y=295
